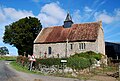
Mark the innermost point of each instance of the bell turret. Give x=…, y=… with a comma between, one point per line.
x=68, y=21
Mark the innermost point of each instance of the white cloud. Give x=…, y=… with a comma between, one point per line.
x=117, y=13
x=16, y=14
x=76, y=16
x=7, y=16
x=43, y=1
x=11, y=14
x=52, y=14
x=87, y=9
x=106, y=17
x=2, y=18
x=53, y=10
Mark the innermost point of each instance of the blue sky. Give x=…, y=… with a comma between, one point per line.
x=53, y=12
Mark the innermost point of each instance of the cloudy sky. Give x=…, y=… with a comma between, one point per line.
x=53, y=12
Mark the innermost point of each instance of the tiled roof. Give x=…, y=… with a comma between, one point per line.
x=78, y=32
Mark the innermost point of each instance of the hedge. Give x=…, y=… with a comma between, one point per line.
x=77, y=61
x=89, y=54
x=48, y=61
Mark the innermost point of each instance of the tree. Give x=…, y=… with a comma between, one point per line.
x=4, y=51
x=22, y=33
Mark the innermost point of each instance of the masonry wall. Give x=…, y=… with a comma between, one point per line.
x=63, y=49
x=101, y=42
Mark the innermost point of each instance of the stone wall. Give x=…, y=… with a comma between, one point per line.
x=100, y=40
x=63, y=49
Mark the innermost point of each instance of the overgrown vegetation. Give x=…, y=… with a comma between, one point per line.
x=89, y=55
x=77, y=61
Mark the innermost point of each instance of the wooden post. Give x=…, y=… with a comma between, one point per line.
x=66, y=49
x=31, y=63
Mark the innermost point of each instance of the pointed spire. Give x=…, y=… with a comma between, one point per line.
x=68, y=17
x=68, y=21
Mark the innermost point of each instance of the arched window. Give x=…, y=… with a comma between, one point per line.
x=49, y=50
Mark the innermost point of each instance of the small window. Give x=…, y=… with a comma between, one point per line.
x=49, y=50
x=81, y=46
x=71, y=46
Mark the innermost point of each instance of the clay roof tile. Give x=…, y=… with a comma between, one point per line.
x=78, y=32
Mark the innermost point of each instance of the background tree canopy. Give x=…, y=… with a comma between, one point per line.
x=4, y=51
x=22, y=33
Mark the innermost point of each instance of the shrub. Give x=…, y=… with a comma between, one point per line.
x=89, y=54
x=48, y=61
x=22, y=60
x=78, y=63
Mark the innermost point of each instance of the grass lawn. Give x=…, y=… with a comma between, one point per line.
x=8, y=58
x=19, y=67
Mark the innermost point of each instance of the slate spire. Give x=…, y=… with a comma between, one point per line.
x=68, y=21
x=68, y=17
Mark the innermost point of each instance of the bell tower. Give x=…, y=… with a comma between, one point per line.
x=68, y=21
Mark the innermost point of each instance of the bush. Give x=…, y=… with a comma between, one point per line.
x=78, y=63
x=89, y=54
x=22, y=60
x=48, y=61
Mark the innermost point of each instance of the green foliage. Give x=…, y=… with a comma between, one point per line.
x=10, y=58
x=22, y=33
x=89, y=55
x=78, y=63
x=22, y=60
x=49, y=61
x=4, y=51
x=19, y=67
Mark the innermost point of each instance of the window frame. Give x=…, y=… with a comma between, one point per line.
x=82, y=46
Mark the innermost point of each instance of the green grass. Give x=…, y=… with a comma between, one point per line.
x=19, y=67
x=8, y=58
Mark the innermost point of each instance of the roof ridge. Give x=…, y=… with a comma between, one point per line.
x=88, y=22
x=99, y=22
x=53, y=27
